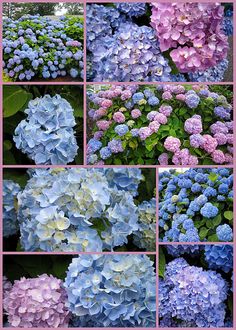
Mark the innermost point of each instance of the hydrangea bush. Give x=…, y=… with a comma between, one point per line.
x=157, y=41
x=37, y=302
x=192, y=293
x=47, y=135
x=38, y=47
x=77, y=209
x=163, y=125
x=196, y=205
x=112, y=291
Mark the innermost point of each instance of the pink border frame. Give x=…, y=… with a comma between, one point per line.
x=84, y=83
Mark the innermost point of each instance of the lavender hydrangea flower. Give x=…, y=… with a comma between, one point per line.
x=37, y=302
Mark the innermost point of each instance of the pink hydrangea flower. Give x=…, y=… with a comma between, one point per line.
x=162, y=119
x=179, y=89
x=218, y=157
x=228, y=158
x=106, y=104
x=180, y=97
x=183, y=157
x=193, y=30
x=144, y=132
x=103, y=124
x=172, y=144
x=163, y=159
x=135, y=113
x=219, y=127
x=220, y=138
x=37, y=303
x=166, y=110
x=209, y=143
x=125, y=95
x=119, y=117
x=193, y=125
x=230, y=138
x=154, y=126
x=151, y=115
x=101, y=112
x=167, y=96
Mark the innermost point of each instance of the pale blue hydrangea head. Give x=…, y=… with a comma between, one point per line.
x=145, y=237
x=112, y=290
x=77, y=209
x=10, y=222
x=46, y=136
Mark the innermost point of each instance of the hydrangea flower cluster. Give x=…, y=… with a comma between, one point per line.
x=196, y=205
x=121, y=48
x=10, y=222
x=47, y=135
x=37, y=302
x=145, y=237
x=191, y=295
x=40, y=47
x=219, y=257
x=139, y=125
x=194, y=32
x=120, y=291
x=82, y=210
x=6, y=286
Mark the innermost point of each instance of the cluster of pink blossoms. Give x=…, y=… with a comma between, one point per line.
x=37, y=303
x=194, y=30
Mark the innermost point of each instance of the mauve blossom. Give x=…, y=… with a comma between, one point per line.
x=172, y=144
x=119, y=117
x=209, y=144
x=218, y=157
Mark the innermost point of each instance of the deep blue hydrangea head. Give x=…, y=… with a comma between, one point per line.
x=112, y=290
x=219, y=257
x=178, y=250
x=10, y=222
x=224, y=233
x=93, y=145
x=132, y=9
x=145, y=237
x=46, y=136
x=213, y=74
x=105, y=152
x=191, y=294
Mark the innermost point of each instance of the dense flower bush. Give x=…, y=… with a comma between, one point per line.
x=157, y=42
x=41, y=47
x=85, y=210
x=10, y=221
x=167, y=124
x=196, y=205
x=190, y=293
x=47, y=135
x=37, y=302
x=120, y=291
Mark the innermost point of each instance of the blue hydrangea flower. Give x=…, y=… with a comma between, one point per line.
x=224, y=233
x=219, y=257
x=213, y=74
x=145, y=237
x=112, y=291
x=61, y=209
x=121, y=129
x=132, y=9
x=192, y=100
x=209, y=210
x=105, y=152
x=46, y=136
x=10, y=222
x=153, y=100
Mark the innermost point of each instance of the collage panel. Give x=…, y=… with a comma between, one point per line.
x=88, y=290
x=79, y=209
x=195, y=204
x=43, y=124
x=159, y=41
x=43, y=41
x=195, y=287
x=160, y=124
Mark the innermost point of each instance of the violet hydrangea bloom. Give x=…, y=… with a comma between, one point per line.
x=194, y=32
x=37, y=303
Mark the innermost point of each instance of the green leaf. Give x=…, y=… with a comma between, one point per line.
x=14, y=99
x=228, y=215
x=203, y=233
x=162, y=262
x=117, y=161
x=7, y=145
x=213, y=176
x=213, y=238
